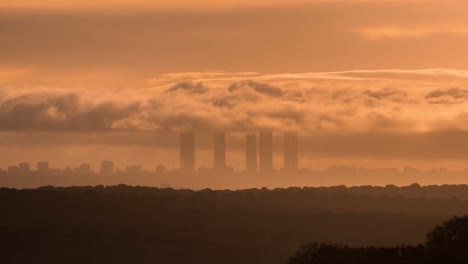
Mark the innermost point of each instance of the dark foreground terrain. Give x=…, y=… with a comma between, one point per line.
x=445, y=244
x=121, y=224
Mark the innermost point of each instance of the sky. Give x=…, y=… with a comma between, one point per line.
x=364, y=83
x=106, y=4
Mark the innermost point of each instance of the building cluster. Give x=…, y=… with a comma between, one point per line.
x=258, y=153
x=258, y=158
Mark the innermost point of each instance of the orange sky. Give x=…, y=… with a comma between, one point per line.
x=318, y=36
x=157, y=3
x=365, y=82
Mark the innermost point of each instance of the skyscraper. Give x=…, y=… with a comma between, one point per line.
x=107, y=167
x=187, y=151
x=24, y=167
x=43, y=166
x=219, y=151
x=85, y=169
x=251, y=154
x=290, y=152
x=134, y=170
x=265, y=151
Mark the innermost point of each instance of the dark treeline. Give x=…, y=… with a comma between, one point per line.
x=123, y=224
x=411, y=191
x=445, y=244
x=414, y=199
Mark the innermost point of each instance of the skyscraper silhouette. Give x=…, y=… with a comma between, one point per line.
x=24, y=167
x=43, y=166
x=219, y=151
x=265, y=151
x=290, y=152
x=187, y=151
x=251, y=154
x=107, y=167
x=85, y=169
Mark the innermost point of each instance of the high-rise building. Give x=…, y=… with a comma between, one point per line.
x=24, y=167
x=107, y=167
x=187, y=151
x=251, y=154
x=43, y=166
x=265, y=151
x=290, y=152
x=13, y=170
x=84, y=169
x=134, y=170
x=219, y=151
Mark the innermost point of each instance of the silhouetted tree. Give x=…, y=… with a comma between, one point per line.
x=318, y=253
x=446, y=243
x=340, y=254
x=449, y=242
x=452, y=233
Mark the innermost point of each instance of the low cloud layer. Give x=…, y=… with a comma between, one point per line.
x=359, y=118
x=389, y=101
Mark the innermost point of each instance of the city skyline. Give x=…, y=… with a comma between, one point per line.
x=234, y=131
x=258, y=159
x=356, y=79
x=25, y=176
x=106, y=168
x=188, y=150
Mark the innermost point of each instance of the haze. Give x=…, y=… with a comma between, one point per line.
x=364, y=83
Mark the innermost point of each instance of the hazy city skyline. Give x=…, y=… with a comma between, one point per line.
x=258, y=159
x=188, y=153
x=357, y=80
x=234, y=131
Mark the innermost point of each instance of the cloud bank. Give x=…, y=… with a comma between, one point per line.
x=390, y=101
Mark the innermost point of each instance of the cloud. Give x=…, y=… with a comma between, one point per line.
x=383, y=114
x=188, y=87
x=447, y=96
x=393, y=94
x=377, y=33
x=391, y=101
x=450, y=92
x=258, y=87
x=60, y=110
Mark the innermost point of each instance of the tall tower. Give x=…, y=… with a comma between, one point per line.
x=251, y=154
x=290, y=152
x=43, y=166
x=265, y=151
x=187, y=151
x=219, y=150
x=107, y=167
x=24, y=167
